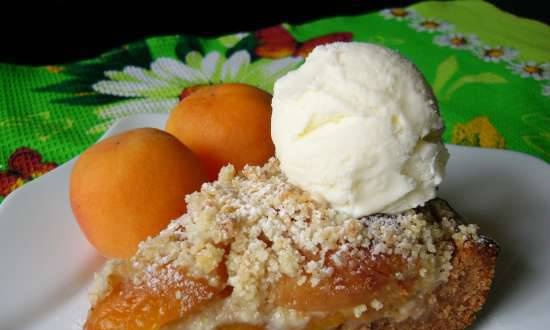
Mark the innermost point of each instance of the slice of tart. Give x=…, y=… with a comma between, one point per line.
x=255, y=252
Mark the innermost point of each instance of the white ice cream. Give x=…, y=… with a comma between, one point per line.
x=357, y=126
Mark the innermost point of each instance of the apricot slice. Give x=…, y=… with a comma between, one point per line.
x=227, y=123
x=132, y=307
x=130, y=186
x=358, y=280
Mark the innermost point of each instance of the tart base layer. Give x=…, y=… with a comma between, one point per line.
x=453, y=306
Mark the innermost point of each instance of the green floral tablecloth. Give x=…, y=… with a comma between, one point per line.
x=490, y=71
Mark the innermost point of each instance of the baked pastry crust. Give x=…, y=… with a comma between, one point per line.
x=256, y=252
x=454, y=305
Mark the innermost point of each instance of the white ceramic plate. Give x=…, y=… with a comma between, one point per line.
x=46, y=265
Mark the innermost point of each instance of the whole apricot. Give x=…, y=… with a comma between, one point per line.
x=222, y=124
x=130, y=186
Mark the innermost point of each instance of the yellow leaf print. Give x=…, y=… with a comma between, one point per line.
x=54, y=68
x=482, y=78
x=478, y=132
x=444, y=72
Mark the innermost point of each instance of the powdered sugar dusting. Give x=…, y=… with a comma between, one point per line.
x=260, y=228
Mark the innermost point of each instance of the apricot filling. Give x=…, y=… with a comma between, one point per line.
x=169, y=297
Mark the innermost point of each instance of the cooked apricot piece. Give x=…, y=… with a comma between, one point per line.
x=132, y=307
x=358, y=280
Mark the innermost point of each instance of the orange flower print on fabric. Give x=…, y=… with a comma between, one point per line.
x=430, y=25
x=274, y=42
x=496, y=53
x=277, y=42
x=531, y=69
x=478, y=132
x=398, y=13
x=457, y=40
x=28, y=163
x=24, y=164
x=9, y=181
x=54, y=68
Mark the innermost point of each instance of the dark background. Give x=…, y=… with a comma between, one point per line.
x=51, y=32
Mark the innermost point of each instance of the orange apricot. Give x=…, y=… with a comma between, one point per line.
x=227, y=123
x=130, y=186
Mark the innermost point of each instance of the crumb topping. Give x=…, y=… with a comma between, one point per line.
x=262, y=228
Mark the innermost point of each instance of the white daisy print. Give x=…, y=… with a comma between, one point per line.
x=431, y=25
x=531, y=69
x=159, y=88
x=398, y=13
x=496, y=53
x=457, y=40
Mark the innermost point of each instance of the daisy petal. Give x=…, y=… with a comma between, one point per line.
x=158, y=89
x=136, y=106
x=263, y=73
x=524, y=74
x=210, y=64
x=141, y=74
x=169, y=68
x=238, y=62
x=123, y=88
x=281, y=65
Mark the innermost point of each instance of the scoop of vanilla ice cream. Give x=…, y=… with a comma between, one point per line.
x=357, y=126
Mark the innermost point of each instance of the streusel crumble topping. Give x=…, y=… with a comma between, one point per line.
x=263, y=229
